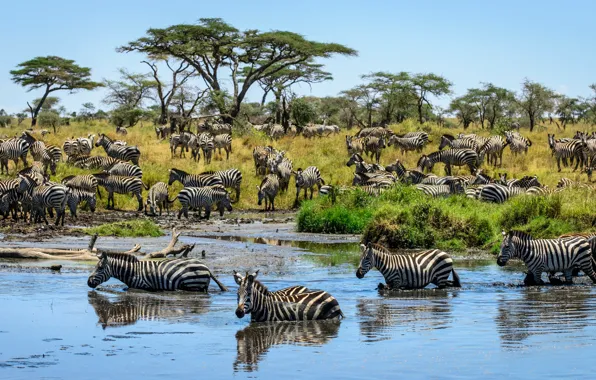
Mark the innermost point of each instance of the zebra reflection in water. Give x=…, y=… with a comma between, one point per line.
x=254, y=341
x=122, y=309
x=412, y=310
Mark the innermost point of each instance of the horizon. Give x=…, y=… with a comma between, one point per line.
x=430, y=34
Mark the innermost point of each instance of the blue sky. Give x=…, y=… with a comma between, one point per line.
x=466, y=41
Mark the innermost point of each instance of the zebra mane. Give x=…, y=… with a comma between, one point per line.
x=122, y=256
x=520, y=234
x=449, y=137
x=178, y=171
x=386, y=251
x=261, y=288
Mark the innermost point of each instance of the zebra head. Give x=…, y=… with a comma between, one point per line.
x=508, y=249
x=101, y=140
x=225, y=204
x=102, y=272
x=424, y=163
x=245, y=285
x=174, y=176
x=366, y=260
x=354, y=158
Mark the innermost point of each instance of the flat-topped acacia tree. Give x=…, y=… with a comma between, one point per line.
x=51, y=74
x=221, y=54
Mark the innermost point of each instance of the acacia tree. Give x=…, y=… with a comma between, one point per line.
x=221, y=53
x=186, y=100
x=396, y=99
x=362, y=99
x=51, y=74
x=465, y=109
x=500, y=102
x=535, y=99
x=165, y=92
x=130, y=91
x=425, y=85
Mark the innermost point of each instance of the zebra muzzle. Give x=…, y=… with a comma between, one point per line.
x=501, y=263
x=359, y=273
x=91, y=283
x=240, y=311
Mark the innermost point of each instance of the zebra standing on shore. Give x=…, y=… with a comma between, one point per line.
x=230, y=179
x=53, y=197
x=170, y=274
x=307, y=179
x=15, y=149
x=408, y=270
x=124, y=153
x=121, y=185
x=268, y=190
x=263, y=305
x=193, y=180
x=76, y=196
x=450, y=157
x=85, y=182
x=283, y=170
x=223, y=141
x=547, y=255
x=158, y=199
x=204, y=197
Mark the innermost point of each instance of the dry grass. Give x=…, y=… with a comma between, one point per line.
x=329, y=154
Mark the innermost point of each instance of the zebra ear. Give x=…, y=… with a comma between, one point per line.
x=253, y=275
x=362, y=247
x=237, y=277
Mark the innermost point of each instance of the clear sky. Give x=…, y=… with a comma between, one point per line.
x=470, y=41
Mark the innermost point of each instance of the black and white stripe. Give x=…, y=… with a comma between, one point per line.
x=562, y=151
x=450, y=157
x=262, y=305
x=48, y=197
x=158, y=199
x=307, y=179
x=493, y=150
x=268, y=190
x=207, y=146
x=283, y=170
x=93, y=162
x=355, y=144
x=77, y=196
x=497, y=193
x=204, y=197
x=373, y=146
x=458, y=143
x=230, y=179
x=547, y=255
x=170, y=274
x=224, y=142
x=121, y=185
x=193, y=180
x=126, y=169
x=450, y=187
x=85, y=182
x=409, y=270
x=15, y=149
x=124, y=153
x=406, y=144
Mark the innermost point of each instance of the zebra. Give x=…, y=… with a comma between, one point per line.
x=230, y=179
x=422, y=135
x=307, y=179
x=409, y=270
x=524, y=182
x=121, y=185
x=180, y=140
x=121, y=131
x=162, y=132
x=517, y=142
x=85, y=182
x=407, y=143
x=169, y=274
x=268, y=190
x=564, y=150
x=373, y=146
x=276, y=131
x=260, y=155
x=15, y=149
x=85, y=145
x=376, y=132
x=493, y=150
x=124, y=153
x=263, y=305
x=76, y=196
x=207, y=145
x=204, y=197
x=53, y=197
x=361, y=165
x=283, y=170
x=450, y=187
x=39, y=151
x=215, y=128
x=93, y=162
x=126, y=169
x=71, y=147
x=223, y=141
x=458, y=143
x=158, y=198
x=547, y=255
x=398, y=168
x=455, y=157
x=193, y=180
x=195, y=149
x=497, y=193
x=355, y=144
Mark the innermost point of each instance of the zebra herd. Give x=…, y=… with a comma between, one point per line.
x=568, y=255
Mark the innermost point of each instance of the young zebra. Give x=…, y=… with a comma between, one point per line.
x=169, y=274
x=124, y=153
x=497, y=193
x=450, y=187
x=517, y=142
x=263, y=305
x=204, y=197
x=373, y=146
x=268, y=190
x=355, y=144
x=52, y=197
x=230, y=179
x=193, y=180
x=126, y=169
x=207, y=146
x=283, y=170
x=450, y=157
x=223, y=141
x=77, y=196
x=180, y=140
x=547, y=255
x=306, y=180
x=407, y=144
x=409, y=270
x=39, y=152
x=158, y=199
x=121, y=185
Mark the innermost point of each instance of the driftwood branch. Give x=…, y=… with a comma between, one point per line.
x=170, y=250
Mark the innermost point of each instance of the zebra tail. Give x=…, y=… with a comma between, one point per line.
x=145, y=186
x=222, y=287
x=99, y=193
x=456, y=282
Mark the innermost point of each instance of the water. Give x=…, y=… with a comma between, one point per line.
x=52, y=325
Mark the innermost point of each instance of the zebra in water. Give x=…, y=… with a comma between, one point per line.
x=230, y=179
x=76, y=196
x=255, y=299
x=497, y=193
x=289, y=291
x=547, y=255
x=268, y=190
x=124, y=153
x=193, y=180
x=204, y=197
x=307, y=179
x=126, y=169
x=158, y=199
x=170, y=274
x=407, y=144
x=410, y=270
x=121, y=185
x=450, y=157
x=223, y=141
x=355, y=145
x=207, y=145
x=49, y=197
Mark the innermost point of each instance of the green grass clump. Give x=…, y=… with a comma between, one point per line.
x=129, y=228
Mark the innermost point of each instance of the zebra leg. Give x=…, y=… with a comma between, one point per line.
x=140, y=200
x=553, y=279
x=530, y=279
x=559, y=163
x=568, y=276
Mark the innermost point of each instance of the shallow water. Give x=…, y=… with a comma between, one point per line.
x=52, y=325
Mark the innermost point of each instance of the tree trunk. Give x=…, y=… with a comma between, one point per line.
x=285, y=117
x=278, y=108
x=163, y=117
x=532, y=121
x=420, y=113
